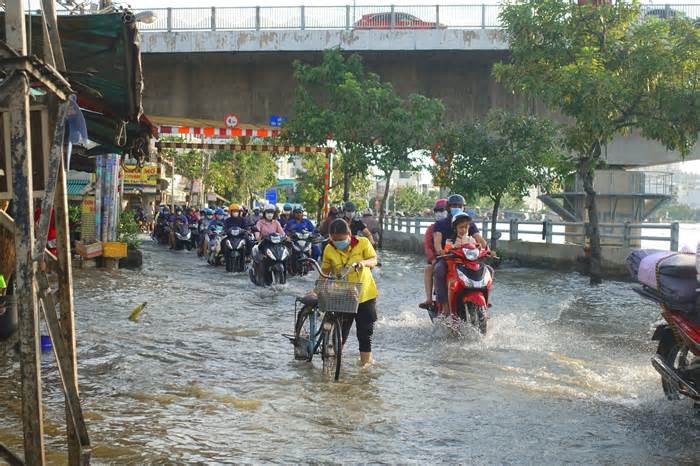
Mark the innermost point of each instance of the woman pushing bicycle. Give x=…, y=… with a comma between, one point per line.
x=356, y=253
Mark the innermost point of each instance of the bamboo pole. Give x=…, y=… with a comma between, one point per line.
x=22, y=188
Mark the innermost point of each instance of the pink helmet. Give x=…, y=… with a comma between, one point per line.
x=440, y=204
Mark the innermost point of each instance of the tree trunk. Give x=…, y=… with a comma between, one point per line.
x=382, y=207
x=346, y=185
x=494, y=220
x=587, y=172
x=319, y=210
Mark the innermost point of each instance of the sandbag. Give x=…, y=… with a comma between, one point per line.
x=671, y=274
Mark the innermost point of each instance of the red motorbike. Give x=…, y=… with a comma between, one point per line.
x=677, y=357
x=469, y=283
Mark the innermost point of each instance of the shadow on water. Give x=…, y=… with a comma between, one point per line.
x=205, y=375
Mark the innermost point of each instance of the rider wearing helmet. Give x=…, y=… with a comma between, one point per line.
x=356, y=225
x=236, y=218
x=217, y=221
x=298, y=224
x=286, y=214
x=440, y=212
x=267, y=225
x=443, y=230
x=324, y=227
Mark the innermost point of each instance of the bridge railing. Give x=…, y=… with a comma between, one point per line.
x=350, y=17
x=661, y=235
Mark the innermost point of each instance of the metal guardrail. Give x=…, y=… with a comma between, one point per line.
x=349, y=17
x=620, y=234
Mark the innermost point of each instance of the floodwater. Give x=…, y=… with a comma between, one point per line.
x=205, y=375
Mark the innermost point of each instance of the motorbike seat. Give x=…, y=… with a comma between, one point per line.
x=310, y=299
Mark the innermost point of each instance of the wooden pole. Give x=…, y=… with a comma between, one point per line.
x=22, y=188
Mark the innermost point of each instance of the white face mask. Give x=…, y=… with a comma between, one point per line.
x=441, y=215
x=269, y=216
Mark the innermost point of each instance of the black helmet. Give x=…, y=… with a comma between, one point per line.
x=298, y=210
x=349, y=207
x=456, y=199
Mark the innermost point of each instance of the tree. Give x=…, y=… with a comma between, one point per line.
x=242, y=176
x=409, y=199
x=405, y=130
x=331, y=102
x=505, y=156
x=609, y=71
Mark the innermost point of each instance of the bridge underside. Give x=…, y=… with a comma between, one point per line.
x=256, y=85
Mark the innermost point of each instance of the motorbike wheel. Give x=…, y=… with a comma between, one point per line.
x=332, y=346
x=188, y=245
x=229, y=262
x=239, y=264
x=477, y=316
x=676, y=356
x=251, y=274
x=279, y=278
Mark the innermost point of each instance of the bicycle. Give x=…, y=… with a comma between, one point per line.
x=333, y=299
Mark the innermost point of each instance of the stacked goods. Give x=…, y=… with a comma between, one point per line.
x=671, y=275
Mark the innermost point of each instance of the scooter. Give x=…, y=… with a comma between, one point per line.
x=235, y=249
x=215, y=253
x=161, y=232
x=194, y=236
x=183, y=236
x=301, y=250
x=677, y=357
x=269, y=261
x=469, y=283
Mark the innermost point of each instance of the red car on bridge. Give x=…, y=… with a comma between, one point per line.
x=401, y=21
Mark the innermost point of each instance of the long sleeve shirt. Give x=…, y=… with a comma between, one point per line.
x=267, y=228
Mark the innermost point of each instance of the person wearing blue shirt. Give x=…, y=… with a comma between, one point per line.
x=297, y=223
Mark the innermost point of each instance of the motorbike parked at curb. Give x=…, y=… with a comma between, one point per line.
x=677, y=357
x=235, y=247
x=269, y=261
x=469, y=283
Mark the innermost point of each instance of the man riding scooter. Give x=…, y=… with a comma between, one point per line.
x=240, y=225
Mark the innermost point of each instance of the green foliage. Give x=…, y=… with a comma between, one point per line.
x=333, y=101
x=679, y=212
x=607, y=70
x=128, y=230
x=410, y=200
x=241, y=176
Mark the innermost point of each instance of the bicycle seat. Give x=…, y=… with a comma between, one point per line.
x=310, y=299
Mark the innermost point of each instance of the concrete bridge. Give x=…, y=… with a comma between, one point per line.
x=208, y=62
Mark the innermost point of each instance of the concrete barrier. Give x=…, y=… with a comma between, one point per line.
x=565, y=257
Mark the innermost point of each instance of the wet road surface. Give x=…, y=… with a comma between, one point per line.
x=205, y=375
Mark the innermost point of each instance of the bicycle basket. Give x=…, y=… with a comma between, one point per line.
x=338, y=296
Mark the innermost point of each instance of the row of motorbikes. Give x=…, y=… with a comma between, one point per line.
x=269, y=261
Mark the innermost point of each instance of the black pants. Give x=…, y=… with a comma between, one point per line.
x=365, y=318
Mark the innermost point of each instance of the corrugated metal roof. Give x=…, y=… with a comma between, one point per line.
x=76, y=187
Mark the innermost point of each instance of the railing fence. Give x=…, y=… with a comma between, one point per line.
x=349, y=17
x=619, y=234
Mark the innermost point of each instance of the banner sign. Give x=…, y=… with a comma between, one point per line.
x=145, y=178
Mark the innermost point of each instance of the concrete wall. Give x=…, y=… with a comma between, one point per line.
x=319, y=40
x=257, y=85
x=539, y=255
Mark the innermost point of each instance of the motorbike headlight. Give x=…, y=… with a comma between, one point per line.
x=235, y=232
x=270, y=254
x=275, y=239
x=471, y=254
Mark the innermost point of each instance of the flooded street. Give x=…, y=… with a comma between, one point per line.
x=205, y=375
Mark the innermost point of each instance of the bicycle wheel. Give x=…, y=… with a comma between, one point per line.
x=302, y=335
x=332, y=349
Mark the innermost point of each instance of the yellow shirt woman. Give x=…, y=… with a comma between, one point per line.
x=346, y=251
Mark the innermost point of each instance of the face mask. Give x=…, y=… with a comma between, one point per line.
x=343, y=244
x=455, y=211
x=349, y=214
x=210, y=217
x=269, y=216
x=441, y=215
x=219, y=217
x=234, y=214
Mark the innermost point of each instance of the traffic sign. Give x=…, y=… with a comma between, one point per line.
x=277, y=120
x=231, y=120
x=271, y=196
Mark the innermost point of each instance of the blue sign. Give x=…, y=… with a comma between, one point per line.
x=276, y=120
x=271, y=196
